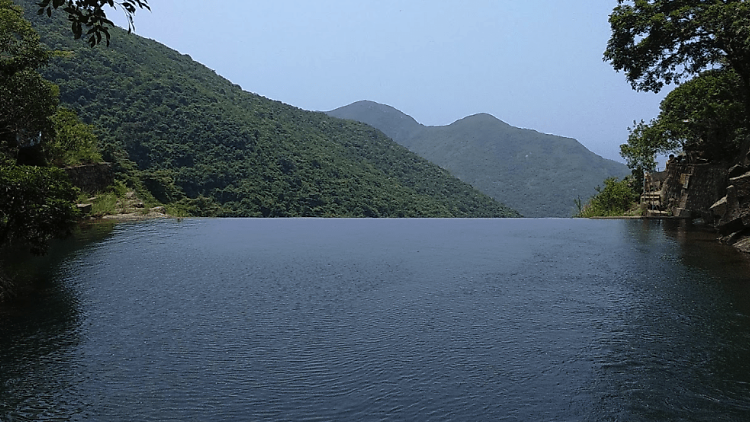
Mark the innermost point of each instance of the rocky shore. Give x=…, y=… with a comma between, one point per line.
x=716, y=193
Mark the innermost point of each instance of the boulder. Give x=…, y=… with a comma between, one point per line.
x=737, y=170
x=743, y=244
x=719, y=208
x=742, y=184
x=84, y=208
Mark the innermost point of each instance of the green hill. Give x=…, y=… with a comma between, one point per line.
x=538, y=174
x=192, y=137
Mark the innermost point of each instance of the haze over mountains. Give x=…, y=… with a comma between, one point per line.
x=539, y=175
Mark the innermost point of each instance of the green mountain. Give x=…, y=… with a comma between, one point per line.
x=193, y=138
x=538, y=174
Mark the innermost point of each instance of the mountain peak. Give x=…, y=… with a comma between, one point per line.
x=538, y=174
x=394, y=123
x=481, y=118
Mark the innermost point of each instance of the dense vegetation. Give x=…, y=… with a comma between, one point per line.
x=702, y=46
x=538, y=174
x=200, y=143
x=616, y=198
x=36, y=138
x=659, y=42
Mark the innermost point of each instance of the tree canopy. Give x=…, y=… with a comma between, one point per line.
x=27, y=100
x=91, y=14
x=36, y=199
x=658, y=42
x=705, y=115
x=19, y=43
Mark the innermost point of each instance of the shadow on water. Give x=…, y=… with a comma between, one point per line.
x=39, y=329
x=681, y=349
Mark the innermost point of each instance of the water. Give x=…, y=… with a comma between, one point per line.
x=309, y=319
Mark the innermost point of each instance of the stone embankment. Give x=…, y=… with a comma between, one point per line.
x=715, y=193
x=732, y=212
x=684, y=190
x=91, y=178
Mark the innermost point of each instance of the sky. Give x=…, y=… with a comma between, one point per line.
x=534, y=64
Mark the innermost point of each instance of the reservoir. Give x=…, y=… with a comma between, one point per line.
x=366, y=319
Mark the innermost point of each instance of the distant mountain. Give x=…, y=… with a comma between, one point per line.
x=540, y=175
x=195, y=140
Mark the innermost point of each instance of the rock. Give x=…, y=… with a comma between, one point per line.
x=719, y=208
x=743, y=244
x=158, y=210
x=742, y=184
x=84, y=208
x=139, y=205
x=733, y=205
x=735, y=223
x=682, y=213
x=737, y=170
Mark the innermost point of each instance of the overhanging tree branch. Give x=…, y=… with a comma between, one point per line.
x=91, y=14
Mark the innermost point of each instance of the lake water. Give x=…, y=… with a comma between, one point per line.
x=344, y=320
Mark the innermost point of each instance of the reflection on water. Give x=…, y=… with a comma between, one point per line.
x=308, y=319
x=40, y=330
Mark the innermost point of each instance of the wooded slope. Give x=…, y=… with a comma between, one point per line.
x=538, y=174
x=193, y=137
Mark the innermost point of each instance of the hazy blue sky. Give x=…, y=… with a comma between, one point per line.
x=531, y=63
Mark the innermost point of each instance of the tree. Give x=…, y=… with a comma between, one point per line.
x=658, y=42
x=91, y=14
x=616, y=198
x=19, y=44
x=644, y=143
x=27, y=100
x=74, y=141
x=705, y=115
x=36, y=202
x=36, y=205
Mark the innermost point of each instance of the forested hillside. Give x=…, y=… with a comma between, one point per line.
x=538, y=174
x=193, y=138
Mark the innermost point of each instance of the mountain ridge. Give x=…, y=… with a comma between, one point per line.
x=195, y=139
x=539, y=174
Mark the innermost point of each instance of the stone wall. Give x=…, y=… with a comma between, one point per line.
x=91, y=178
x=690, y=190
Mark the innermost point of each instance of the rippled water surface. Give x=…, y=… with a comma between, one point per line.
x=310, y=319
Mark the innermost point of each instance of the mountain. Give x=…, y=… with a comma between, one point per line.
x=538, y=174
x=194, y=139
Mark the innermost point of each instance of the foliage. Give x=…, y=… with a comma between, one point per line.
x=36, y=202
x=36, y=205
x=199, y=143
x=644, y=143
x=74, y=142
x=91, y=14
x=659, y=42
x=705, y=114
x=26, y=99
x=19, y=43
x=615, y=199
